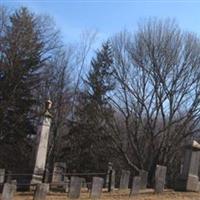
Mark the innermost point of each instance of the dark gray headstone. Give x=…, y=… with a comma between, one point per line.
x=136, y=185
x=2, y=175
x=66, y=184
x=97, y=185
x=9, y=190
x=110, y=167
x=75, y=187
x=8, y=177
x=124, y=180
x=188, y=179
x=58, y=172
x=83, y=183
x=144, y=177
x=160, y=177
x=41, y=191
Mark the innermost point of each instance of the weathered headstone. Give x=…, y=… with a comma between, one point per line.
x=97, y=185
x=41, y=191
x=9, y=190
x=144, y=177
x=42, y=144
x=110, y=177
x=8, y=176
x=83, y=183
x=160, y=177
x=136, y=185
x=66, y=180
x=2, y=175
x=124, y=180
x=58, y=172
x=75, y=187
x=188, y=180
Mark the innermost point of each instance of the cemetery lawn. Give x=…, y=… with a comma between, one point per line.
x=116, y=195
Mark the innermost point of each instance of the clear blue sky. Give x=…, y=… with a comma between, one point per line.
x=109, y=17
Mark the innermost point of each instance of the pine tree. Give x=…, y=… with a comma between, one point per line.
x=23, y=52
x=87, y=138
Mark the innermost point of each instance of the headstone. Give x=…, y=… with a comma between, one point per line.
x=59, y=172
x=8, y=177
x=9, y=190
x=160, y=177
x=110, y=168
x=41, y=191
x=83, y=183
x=144, y=177
x=75, y=187
x=97, y=185
x=188, y=179
x=2, y=175
x=66, y=180
x=136, y=185
x=124, y=180
x=42, y=144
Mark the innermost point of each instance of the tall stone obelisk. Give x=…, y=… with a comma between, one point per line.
x=42, y=144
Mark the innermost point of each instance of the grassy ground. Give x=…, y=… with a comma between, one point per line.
x=144, y=195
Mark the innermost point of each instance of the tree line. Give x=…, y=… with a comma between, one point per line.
x=134, y=103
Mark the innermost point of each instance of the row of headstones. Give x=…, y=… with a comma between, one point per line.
x=140, y=182
x=42, y=189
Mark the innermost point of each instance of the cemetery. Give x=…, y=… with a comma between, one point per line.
x=91, y=111
x=97, y=185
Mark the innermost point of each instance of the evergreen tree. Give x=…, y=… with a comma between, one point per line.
x=88, y=138
x=23, y=52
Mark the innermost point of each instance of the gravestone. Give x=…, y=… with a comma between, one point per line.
x=8, y=176
x=2, y=175
x=83, y=183
x=75, y=187
x=66, y=180
x=59, y=172
x=136, y=185
x=110, y=177
x=188, y=179
x=124, y=180
x=41, y=191
x=97, y=185
x=2, y=179
x=9, y=190
x=160, y=177
x=144, y=177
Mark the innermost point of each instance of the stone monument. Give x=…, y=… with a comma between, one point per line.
x=42, y=144
x=188, y=179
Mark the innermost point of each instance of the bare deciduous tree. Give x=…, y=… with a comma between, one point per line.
x=158, y=95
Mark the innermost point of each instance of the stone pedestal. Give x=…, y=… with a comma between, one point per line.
x=188, y=180
x=41, y=191
x=42, y=144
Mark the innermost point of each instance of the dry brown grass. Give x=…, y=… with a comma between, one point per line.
x=117, y=195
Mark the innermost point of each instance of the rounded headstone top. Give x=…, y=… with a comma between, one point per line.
x=193, y=144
